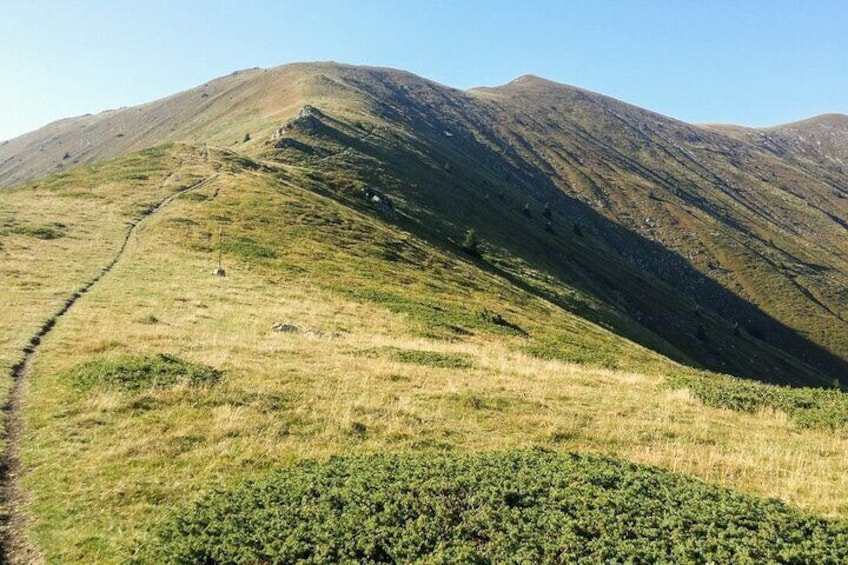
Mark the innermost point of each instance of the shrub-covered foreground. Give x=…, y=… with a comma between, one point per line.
x=503, y=507
x=808, y=407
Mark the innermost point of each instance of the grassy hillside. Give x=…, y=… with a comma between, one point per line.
x=767, y=231
x=395, y=343
x=728, y=246
x=59, y=232
x=219, y=112
x=551, y=175
x=429, y=280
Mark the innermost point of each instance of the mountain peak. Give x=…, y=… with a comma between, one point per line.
x=536, y=83
x=530, y=79
x=831, y=120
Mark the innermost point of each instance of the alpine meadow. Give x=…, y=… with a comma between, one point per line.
x=323, y=313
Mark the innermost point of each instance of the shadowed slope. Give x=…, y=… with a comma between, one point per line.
x=669, y=240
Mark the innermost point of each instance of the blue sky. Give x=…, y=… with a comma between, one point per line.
x=752, y=62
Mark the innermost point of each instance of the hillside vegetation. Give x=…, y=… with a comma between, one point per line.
x=730, y=250
x=420, y=271
x=449, y=509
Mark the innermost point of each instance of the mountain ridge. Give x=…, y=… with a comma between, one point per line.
x=56, y=132
x=713, y=217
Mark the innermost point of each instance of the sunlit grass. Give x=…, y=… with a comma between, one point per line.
x=361, y=374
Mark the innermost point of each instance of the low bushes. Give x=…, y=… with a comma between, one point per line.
x=502, y=507
x=136, y=372
x=808, y=407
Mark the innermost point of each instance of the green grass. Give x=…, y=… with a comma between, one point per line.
x=564, y=349
x=137, y=372
x=39, y=232
x=508, y=507
x=457, y=356
x=439, y=318
x=246, y=248
x=433, y=359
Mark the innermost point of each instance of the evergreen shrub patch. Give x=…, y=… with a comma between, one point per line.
x=497, y=507
x=808, y=407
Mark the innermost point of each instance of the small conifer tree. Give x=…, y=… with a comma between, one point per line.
x=470, y=244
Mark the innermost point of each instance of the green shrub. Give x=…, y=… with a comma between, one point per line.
x=808, y=407
x=39, y=232
x=498, y=320
x=505, y=507
x=136, y=372
x=419, y=357
x=470, y=243
x=194, y=196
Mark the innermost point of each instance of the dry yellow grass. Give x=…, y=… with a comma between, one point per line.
x=104, y=466
x=89, y=214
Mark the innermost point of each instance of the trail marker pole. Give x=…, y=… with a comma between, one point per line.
x=220, y=272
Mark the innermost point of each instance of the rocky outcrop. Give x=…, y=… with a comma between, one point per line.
x=379, y=201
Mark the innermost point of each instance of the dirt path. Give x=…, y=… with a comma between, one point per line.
x=14, y=546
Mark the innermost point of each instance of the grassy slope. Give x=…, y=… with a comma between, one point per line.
x=58, y=232
x=454, y=161
x=219, y=112
x=106, y=465
x=752, y=231
x=750, y=220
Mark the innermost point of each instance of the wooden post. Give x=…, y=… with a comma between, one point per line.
x=220, y=272
x=220, y=245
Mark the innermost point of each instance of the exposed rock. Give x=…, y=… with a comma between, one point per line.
x=308, y=120
x=291, y=143
x=309, y=111
x=283, y=327
x=380, y=201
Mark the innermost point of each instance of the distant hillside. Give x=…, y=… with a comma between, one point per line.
x=720, y=246
x=218, y=112
x=822, y=139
